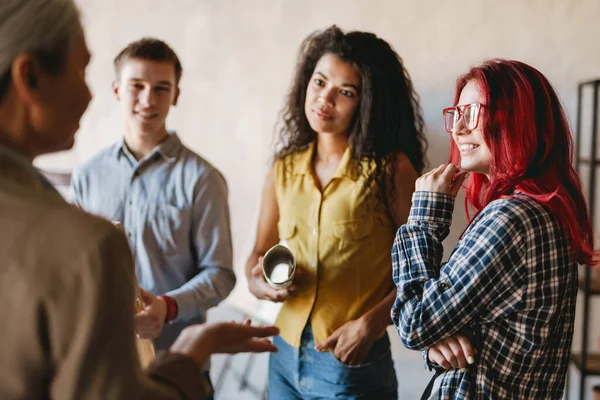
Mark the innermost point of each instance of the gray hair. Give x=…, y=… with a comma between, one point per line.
x=47, y=28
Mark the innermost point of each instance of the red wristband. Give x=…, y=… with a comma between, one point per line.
x=171, y=308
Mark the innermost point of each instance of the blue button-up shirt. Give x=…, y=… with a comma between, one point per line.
x=173, y=206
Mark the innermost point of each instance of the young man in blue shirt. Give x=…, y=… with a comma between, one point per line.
x=172, y=203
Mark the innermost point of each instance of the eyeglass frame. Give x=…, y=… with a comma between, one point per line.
x=460, y=111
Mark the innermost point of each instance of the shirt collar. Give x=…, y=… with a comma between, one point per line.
x=167, y=149
x=303, y=163
x=17, y=167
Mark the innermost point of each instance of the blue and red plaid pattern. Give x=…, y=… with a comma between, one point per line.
x=510, y=278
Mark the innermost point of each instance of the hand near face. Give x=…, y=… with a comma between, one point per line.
x=443, y=179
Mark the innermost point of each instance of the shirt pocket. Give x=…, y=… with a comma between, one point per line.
x=170, y=227
x=350, y=232
x=287, y=230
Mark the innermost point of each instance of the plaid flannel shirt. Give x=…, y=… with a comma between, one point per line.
x=510, y=277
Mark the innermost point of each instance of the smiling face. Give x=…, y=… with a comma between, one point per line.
x=332, y=96
x=475, y=155
x=146, y=90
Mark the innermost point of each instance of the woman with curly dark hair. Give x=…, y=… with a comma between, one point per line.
x=350, y=149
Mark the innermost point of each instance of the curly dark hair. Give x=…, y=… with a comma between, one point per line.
x=389, y=118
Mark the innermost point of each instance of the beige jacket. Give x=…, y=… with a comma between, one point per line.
x=66, y=303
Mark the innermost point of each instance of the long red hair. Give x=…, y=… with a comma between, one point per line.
x=527, y=133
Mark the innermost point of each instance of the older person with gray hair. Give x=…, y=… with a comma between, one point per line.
x=67, y=280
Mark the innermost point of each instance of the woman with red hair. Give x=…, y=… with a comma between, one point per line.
x=509, y=287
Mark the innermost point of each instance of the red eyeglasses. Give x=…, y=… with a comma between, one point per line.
x=468, y=112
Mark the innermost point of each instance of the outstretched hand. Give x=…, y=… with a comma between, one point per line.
x=200, y=341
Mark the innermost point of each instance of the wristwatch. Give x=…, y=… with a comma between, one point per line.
x=171, y=308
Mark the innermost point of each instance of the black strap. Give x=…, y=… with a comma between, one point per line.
x=427, y=393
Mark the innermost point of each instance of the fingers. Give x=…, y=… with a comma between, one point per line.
x=438, y=170
x=341, y=355
x=231, y=337
x=457, y=183
x=244, y=330
x=259, y=331
x=467, y=349
x=257, y=270
x=347, y=353
x=146, y=318
x=330, y=342
x=453, y=352
x=147, y=334
x=259, y=346
x=436, y=357
x=356, y=358
x=440, y=180
x=244, y=322
x=262, y=290
x=259, y=287
x=443, y=169
x=147, y=297
x=448, y=354
x=449, y=172
x=435, y=171
x=459, y=355
x=149, y=322
x=446, y=176
x=278, y=295
x=147, y=325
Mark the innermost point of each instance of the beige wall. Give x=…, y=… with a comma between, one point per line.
x=238, y=57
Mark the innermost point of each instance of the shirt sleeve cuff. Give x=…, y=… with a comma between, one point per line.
x=181, y=373
x=431, y=207
x=187, y=307
x=425, y=355
x=429, y=365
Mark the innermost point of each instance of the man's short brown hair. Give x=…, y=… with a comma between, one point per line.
x=150, y=49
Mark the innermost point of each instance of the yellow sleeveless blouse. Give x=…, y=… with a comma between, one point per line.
x=341, y=242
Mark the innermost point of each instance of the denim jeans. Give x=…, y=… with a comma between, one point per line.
x=305, y=373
